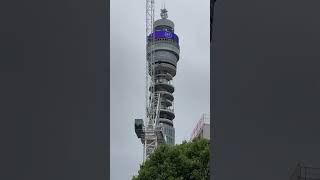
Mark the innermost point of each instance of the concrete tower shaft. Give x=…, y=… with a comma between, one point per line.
x=163, y=46
x=162, y=56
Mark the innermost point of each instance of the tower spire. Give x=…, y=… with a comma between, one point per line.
x=164, y=13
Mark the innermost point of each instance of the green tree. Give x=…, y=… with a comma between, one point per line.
x=180, y=162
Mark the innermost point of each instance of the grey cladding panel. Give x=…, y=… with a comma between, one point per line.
x=166, y=56
x=165, y=47
x=164, y=22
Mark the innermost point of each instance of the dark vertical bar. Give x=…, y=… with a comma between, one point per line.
x=212, y=92
x=212, y=2
x=54, y=65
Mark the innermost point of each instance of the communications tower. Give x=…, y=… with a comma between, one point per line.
x=162, y=55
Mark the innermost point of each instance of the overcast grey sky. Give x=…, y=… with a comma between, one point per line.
x=192, y=82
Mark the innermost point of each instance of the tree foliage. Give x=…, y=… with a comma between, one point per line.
x=180, y=162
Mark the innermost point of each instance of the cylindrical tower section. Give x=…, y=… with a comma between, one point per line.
x=163, y=55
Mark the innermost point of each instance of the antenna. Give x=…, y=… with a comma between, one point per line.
x=164, y=13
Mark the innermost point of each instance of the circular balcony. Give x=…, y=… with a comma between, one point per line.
x=164, y=102
x=163, y=67
x=167, y=114
x=166, y=95
x=167, y=102
x=166, y=76
x=162, y=87
x=165, y=121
